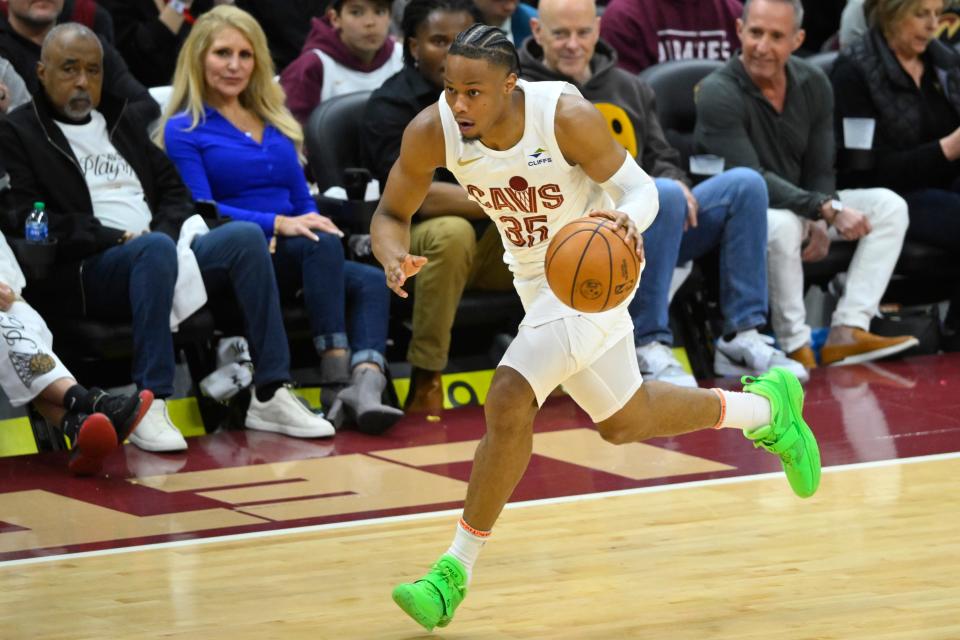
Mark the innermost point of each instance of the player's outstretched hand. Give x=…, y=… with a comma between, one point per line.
x=623, y=221
x=406, y=267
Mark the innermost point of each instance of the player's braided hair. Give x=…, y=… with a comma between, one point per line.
x=417, y=11
x=483, y=42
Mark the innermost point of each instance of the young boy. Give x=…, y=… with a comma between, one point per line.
x=347, y=50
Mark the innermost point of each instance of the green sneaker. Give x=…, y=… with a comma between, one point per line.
x=432, y=599
x=788, y=436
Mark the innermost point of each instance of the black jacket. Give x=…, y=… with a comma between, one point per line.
x=24, y=55
x=286, y=24
x=147, y=45
x=42, y=167
x=868, y=82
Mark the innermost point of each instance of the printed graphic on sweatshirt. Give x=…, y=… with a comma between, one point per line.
x=679, y=44
x=620, y=126
x=107, y=168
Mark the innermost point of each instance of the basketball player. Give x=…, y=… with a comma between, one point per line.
x=536, y=155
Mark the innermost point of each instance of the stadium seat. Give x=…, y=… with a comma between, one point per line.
x=823, y=60
x=674, y=82
x=332, y=138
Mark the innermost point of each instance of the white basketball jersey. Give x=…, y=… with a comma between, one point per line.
x=529, y=191
x=339, y=79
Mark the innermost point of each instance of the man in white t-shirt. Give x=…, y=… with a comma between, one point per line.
x=116, y=205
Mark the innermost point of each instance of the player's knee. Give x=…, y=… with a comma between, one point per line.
x=632, y=423
x=510, y=405
x=615, y=432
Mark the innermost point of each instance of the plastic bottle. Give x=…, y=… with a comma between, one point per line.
x=36, y=228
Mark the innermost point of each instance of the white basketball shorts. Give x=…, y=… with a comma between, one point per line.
x=595, y=362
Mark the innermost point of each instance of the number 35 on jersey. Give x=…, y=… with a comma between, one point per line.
x=519, y=198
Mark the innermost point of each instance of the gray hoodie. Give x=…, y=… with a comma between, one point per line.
x=625, y=101
x=16, y=88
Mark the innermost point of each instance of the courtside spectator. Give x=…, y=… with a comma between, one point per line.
x=647, y=32
x=228, y=132
x=13, y=90
x=442, y=229
x=22, y=33
x=727, y=211
x=149, y=34
x=116, y=206
x=510, y=16
x=286, y=24
x=93, y=422
x=908, y=82
x=347, y=50
x=771, y=111
x=853, y=23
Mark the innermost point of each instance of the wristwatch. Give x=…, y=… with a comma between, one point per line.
x=835, y=205
x=179, y=6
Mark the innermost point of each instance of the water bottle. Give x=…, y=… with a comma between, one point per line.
x=36, y=227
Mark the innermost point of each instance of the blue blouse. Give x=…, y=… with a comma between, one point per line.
x=248, y=180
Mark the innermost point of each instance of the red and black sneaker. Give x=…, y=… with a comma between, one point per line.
x=125, y=412
x=92, y=438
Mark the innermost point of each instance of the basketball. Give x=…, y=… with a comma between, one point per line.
x=590, y=266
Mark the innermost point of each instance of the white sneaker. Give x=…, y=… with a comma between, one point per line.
x=751, y=353
x=284, y=413
x=156, y=432
x=657, y=362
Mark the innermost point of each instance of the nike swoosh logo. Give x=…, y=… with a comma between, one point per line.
x=464, y=163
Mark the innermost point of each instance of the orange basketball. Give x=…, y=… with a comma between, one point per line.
x=590, y=266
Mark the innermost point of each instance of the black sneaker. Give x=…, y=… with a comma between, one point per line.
x=92, y=437
x=125, y=412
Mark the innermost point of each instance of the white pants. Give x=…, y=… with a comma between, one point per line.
x=27, y=362
x=867, y=277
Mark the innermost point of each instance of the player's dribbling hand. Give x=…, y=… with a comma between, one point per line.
x=623, y=221
x=406, y=267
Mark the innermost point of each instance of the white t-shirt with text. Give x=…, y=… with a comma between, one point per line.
x=115, y=189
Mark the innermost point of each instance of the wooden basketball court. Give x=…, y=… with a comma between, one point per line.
x=249, y=536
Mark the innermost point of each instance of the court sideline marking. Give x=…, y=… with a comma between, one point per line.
x=451, y=512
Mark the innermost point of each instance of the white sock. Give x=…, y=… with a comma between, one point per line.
x=742, y=410
x=467, y=543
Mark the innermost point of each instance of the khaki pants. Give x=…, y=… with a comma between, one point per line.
x=457, y=260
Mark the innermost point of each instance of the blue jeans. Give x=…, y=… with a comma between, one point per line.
x=343, y=298
x=143, y=271
x=733, y=215
x=134, y=282
x=235, y=255
x=934, y=218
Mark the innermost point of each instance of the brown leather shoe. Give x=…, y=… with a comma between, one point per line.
x=426, y=393
x=865, y=347
x=804, y=355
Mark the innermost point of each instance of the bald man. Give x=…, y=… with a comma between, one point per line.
x=116, y=205
x=727, y=211
x=22, y=32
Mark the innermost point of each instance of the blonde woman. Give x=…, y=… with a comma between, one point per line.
x=233, y=140
x=908, y=82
